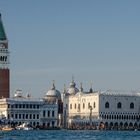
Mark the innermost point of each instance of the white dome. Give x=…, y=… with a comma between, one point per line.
x=72, y=90
x=53, y=93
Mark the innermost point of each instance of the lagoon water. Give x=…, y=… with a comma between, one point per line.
x=70, y=135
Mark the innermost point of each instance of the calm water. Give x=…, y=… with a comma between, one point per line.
x=70, y=135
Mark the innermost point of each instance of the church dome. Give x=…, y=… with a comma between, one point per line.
x=53, y=94
x=72, y=90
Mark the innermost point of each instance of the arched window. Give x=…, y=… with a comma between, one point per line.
x=107, y=105
x=34, y=123
x=88, y=105
x=53, y=123
x=48, y=113
x=78, y=106
x=75, y=106
x=83, y=105
x=119, y=105
x=53, y=113
x=70, y=106
x=94, y=105
x=131, y=105
x=1, y=58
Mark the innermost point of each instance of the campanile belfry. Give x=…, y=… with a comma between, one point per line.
x=4, y=63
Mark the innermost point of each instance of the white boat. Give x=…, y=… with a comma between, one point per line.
x=24, y=126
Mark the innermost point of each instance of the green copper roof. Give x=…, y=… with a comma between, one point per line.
x=2, y=32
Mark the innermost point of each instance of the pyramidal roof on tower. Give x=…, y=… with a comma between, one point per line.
x=2, y=32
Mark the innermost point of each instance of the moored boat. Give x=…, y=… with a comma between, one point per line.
x=7, y=128
x=24, y=126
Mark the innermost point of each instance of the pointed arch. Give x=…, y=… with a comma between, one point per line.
x=132, y=105
x=107, y=105
x=119, y=105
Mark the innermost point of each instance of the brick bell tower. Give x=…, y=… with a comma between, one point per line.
x=4, y=63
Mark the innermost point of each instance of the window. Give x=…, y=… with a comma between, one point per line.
x=48, y=124
x=88, y=105
x=131, y=105
x=107, y=105
x=37, y=116
x=8, y=116
x=33, y=106
x=44, y=113
x=19, y=105
x=94, y=105
x=30, y=106
x=16, y=106
x=52, y=113
x=70, y=106
x=27, y=106
x=48, y=113
x=33, y=116
x=119, y=105
x=3, y=58
x=78, y=107
x=19, y=116
x=83, y=105
x=8, y=105
x=30, y=116
x=53, y=123
x=37, y=106
x=26, y=116
x=75, y=106
x=34, y=123
x=44, y=124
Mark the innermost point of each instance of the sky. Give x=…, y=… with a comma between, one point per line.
x=95, y=41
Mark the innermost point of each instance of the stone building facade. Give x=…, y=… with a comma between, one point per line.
x=102, y=110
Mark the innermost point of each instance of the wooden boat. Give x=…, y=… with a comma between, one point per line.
x=7, y=128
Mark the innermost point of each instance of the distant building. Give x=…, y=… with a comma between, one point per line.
x=101, y=110
x=42, y=113
x=4, y=63
x=53, y=96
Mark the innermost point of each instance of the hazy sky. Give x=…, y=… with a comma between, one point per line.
x=95, y=40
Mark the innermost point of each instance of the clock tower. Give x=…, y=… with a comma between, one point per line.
x=4, y=63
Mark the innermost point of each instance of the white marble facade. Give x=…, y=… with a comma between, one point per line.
x=111, y=108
